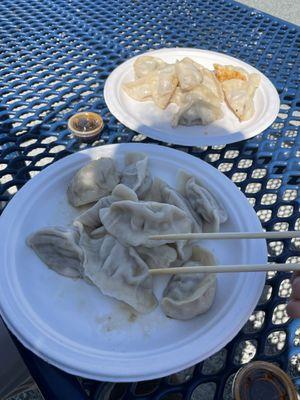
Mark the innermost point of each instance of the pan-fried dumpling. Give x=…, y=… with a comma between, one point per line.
x=59, y=249
x=226, y=72
x=161, y=256
x=163, y=83
x=204, y=93
x=179, y=97
x=118, y=272
x=196, y=112
x=198, y=66
x=136, y=174
x=139, y=90
x=202, y=202
x=95, y=180
x=201, y=91
x=254, y=81
x=133, y=222
x=239, y=96
x=239, y=88
x=212, y=83
x=188, y=75
x=144, y=65
x=189, y=295
x=90, y=218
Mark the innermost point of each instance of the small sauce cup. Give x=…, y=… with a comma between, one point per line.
x=86, y=125
x=261, y=380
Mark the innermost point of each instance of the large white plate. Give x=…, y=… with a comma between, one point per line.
x=148, y=119
x=73, y=326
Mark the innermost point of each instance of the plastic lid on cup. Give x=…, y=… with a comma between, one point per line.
x=86, y=125
x=261, y=381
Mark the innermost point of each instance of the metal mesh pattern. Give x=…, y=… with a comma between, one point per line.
x=55, y=57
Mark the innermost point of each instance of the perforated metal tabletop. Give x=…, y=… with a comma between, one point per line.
x=55, y=57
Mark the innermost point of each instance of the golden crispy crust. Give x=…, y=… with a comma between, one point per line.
x=224, y=73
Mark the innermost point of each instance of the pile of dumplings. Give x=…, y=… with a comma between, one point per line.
x=108, y=243
x=197, y=91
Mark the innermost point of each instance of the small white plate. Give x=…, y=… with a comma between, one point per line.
x=70, y=324
x=150, y=120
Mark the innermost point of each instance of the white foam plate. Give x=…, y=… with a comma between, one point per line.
x=148, y=119
x=70, y=324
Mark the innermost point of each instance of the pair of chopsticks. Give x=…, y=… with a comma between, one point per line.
x=227, y=268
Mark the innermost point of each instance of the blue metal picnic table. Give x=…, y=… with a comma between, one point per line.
x=55, y=57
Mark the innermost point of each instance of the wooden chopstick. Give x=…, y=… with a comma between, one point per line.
x=228, y=235
x=225, y=268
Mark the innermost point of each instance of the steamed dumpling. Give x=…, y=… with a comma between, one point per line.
x=163, y=83
x=136, y=174
x=188, y=75
x=189, y=295
x=196, y=112
x=59, y=249
x=202, y=202
x=92, y=182
x=161, y=192
x=161, y=256
x=144, y=65
x=90, y=218
x=139, y=90
x=98, y=233
x=118, y=272
x=132, y=223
